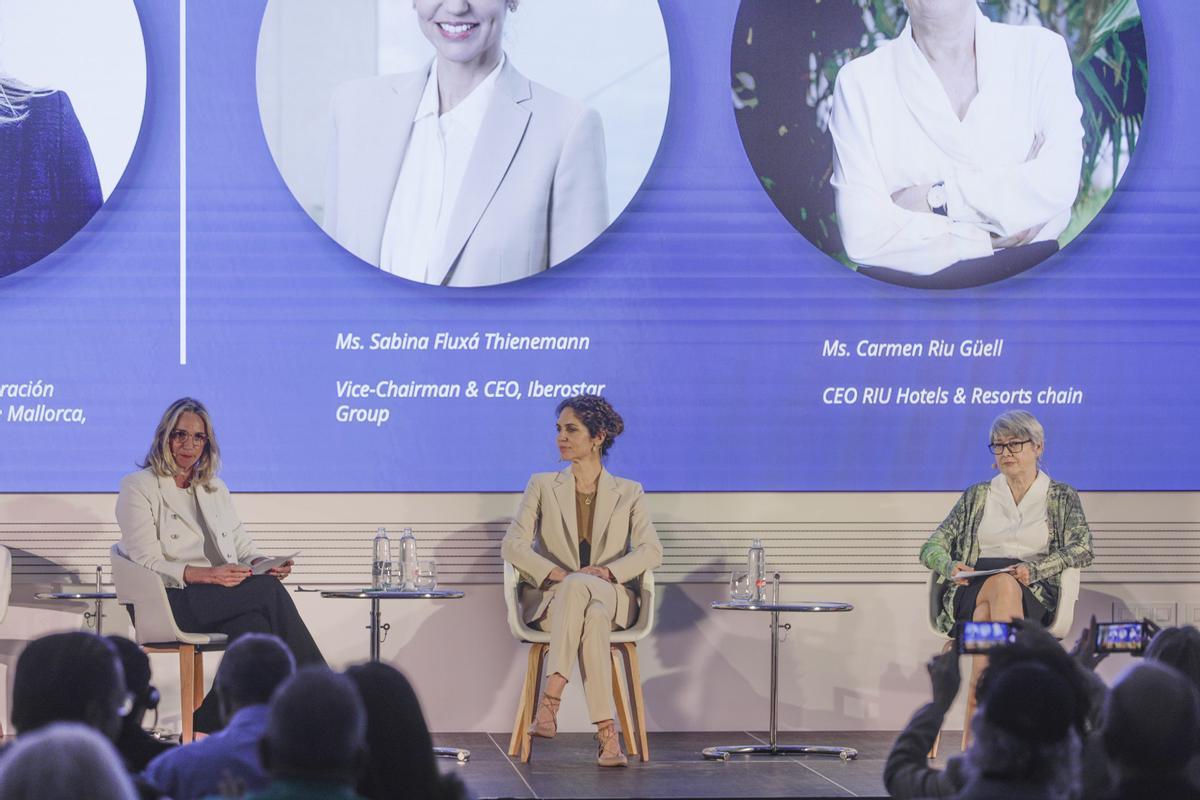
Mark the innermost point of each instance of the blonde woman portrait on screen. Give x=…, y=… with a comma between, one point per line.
x=49, y=186
x=581, y=540
x=465, y=172
x=956, y=140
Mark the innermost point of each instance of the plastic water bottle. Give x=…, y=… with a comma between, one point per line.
x=381, y=560
x=756, y=566
x=408, y=561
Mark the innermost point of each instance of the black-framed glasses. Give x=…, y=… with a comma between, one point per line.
x=198, y=439
x=1012, y=447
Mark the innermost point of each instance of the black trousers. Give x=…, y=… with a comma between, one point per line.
x=259, y=604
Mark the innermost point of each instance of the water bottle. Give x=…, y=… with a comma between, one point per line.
x=381, y=560
x=408, y=561
x=756, y=566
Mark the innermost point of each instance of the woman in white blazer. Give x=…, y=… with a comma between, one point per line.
x=465, y=173
x=177, y=518
x=581, y=538
x=959, y=138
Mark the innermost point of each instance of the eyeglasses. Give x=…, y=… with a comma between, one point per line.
x=1012, y=447
x=198, y=439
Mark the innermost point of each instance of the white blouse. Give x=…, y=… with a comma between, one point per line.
x=431, y=176
x=1015, y=530
x=893, y=127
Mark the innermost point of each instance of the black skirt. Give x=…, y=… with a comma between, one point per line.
x=966, y=596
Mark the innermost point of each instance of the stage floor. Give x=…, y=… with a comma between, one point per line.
x=565, y=767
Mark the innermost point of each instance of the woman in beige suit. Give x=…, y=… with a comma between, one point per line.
x=464, y=173
x=581, y=539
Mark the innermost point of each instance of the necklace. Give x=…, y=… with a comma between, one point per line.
x=587, y=497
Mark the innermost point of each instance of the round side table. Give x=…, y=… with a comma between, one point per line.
x=378, y=630
x=773, y=748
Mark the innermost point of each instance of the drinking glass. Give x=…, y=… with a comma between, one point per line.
x=426, y=575
x=740, y=587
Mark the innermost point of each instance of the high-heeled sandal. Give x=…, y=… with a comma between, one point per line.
x=545, y=721
x=610, y=754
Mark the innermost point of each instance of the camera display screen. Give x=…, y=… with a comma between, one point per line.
x=1121, y=637
x=979, y=637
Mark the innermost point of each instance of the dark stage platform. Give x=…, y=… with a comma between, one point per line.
x=565, y=767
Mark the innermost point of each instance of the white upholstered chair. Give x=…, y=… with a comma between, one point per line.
x=142, y=591
x=627, y=695
x=1059, y=627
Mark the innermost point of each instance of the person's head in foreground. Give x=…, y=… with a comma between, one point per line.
x=1032, y=704
x=69, y=677
x=401, y=749
x=1179, y=648
x=252, y=668
x=135, y=665
x=1152, y=727
x=317, y=730
x=64, y=761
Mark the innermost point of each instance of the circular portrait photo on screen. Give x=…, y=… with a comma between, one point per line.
x=467, y=142
x=939, y=143
x=72, y=94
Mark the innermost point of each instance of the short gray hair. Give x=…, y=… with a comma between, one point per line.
x=64, y=761
x=1053, y=765
x=1018, y=423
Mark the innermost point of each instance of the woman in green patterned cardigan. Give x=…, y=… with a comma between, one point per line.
x=1021, y=521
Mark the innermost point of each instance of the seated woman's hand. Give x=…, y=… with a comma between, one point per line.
x=1021, y=573
x=599, y=572
x=224, y=575
x=281, y=572
x=959, y=567
x=557, y=575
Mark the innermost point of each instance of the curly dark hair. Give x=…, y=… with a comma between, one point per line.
x=597, y=415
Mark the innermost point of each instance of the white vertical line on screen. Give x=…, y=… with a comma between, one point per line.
x=182, y=182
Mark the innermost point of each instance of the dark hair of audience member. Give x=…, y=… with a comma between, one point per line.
x=401, y=761
x=1028, y=727
x=1152, y=721
x=1178, y=648
x=252, y=668
x=68, y=677
x=64, y=761
x=136, y=666
x=317, y=729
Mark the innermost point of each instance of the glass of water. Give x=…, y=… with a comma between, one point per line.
x=426, y=578
x=740, y=587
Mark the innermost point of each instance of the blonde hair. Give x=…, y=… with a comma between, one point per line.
x=14, y=99
x=159, y=458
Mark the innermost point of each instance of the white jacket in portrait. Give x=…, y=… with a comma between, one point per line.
x=893, y=127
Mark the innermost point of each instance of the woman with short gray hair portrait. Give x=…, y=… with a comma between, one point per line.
x=1021, y=521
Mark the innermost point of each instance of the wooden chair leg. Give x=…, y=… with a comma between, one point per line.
x=937, y=741
x=639, y=701
x=198, y=680
x=187, y=690
x=526, y=739
x=514, y=743
x=621, y=700
x=979, y=663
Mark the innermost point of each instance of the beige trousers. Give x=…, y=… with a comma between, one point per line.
x=580, y=618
